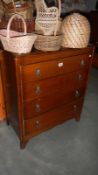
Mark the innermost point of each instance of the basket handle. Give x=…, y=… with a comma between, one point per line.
x=58, y=16
x=59, y=7
x=10, y=21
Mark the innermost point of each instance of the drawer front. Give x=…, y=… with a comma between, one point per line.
x=47, y=69
x=36, y=107
x=45, y=87
x=48, y=120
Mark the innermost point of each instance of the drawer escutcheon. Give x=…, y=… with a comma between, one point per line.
x=37, y=108
x=82, y=62
x=38, y=89
x=77, y=93
x=38, y=72
x=37, y=124
x=75, y=107
x=80, y=77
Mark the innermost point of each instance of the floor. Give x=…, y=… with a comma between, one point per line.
x=68, y=149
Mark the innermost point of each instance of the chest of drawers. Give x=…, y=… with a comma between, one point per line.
x=44, y=89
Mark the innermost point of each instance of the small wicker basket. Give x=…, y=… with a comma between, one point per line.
x=76, y=31
x=25, y=9
x=17, y=42
x=48, y=42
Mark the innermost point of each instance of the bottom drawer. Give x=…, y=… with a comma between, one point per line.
x=54, y=117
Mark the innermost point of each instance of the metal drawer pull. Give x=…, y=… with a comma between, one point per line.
x=77, y=93
x=75, y=107
x=37, y=123
x=80, y=77
x=38, y=89
x=37, y=108
x=61, y=64
x=38, y=72
x=82, y=62
x=90, y=56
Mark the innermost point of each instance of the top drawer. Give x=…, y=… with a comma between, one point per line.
x=48, y=69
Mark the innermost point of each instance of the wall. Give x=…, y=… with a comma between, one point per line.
x=91, y=4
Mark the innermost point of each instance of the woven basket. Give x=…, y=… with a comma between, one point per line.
x=25, y=9
x=17, y=25
x=48, y=43
x=17, y=42
x=47, y=19
x=76, y=31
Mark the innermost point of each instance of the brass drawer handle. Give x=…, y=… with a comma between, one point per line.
x=82, y=62
x=38, y=89
x=80, y=77
x=37, y=123
x=38, y=72
x=75, y=107
x=77, y=93
x=37, y=108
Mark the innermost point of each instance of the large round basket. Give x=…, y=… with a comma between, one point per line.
x=76, y=31
x=48, y=42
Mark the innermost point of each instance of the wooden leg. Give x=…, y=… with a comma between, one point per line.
x=23, y=144
x=7, y=121
x=77, y=118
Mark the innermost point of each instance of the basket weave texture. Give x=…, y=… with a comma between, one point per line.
x=17, y=25
x=76, y=31
x=47, y=19
x=17, y=42
x=25, y=9
x=48, y=43
x=47, y=27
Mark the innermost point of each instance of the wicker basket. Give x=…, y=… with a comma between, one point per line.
x=17, y=42
x=17, y=25
x=48, y=43
x=25, y=9
x=47, y=19
x=76, y=31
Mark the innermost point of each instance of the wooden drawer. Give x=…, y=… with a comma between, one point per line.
x=39, y=89
x=40, y=105
x=47, y=69
x=48, y=120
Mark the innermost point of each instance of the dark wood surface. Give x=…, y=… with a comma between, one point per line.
x=44, y=89
x=93, y=18
x=95, y=60
x=53, y=117
x=2, y=105
x=39, y=89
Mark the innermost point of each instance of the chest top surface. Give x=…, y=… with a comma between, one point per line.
x=38, y=56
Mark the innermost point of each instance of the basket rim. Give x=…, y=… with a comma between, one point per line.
x=58, y=34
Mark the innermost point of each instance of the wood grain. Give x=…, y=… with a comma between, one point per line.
x=2, y=106
x=38, y=101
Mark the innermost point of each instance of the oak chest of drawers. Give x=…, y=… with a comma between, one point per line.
x=44, y=89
